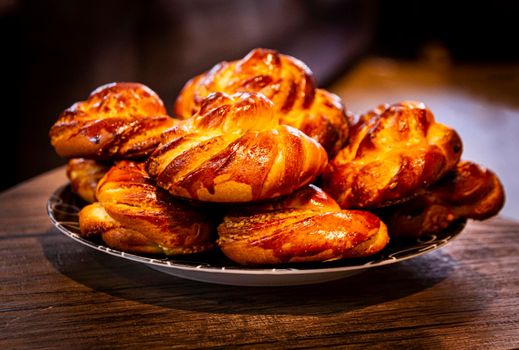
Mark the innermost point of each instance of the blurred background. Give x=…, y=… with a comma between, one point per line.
x=460, y=58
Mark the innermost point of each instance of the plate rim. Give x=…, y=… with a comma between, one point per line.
x=238, y=270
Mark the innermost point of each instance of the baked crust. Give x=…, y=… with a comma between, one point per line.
x=470, y=191
x=286, y=81
x=393, y=152
x=307, y=226
x=117, y=121
x=144, y=217
x=84, y=174
x=234, y=150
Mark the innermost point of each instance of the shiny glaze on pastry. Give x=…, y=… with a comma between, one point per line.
x=84, y=174
x=118, y=120
x=134, y=215
x=235, y=150
x=470, y=191
x=285, y=80
x=393, y=152
x=307, y=226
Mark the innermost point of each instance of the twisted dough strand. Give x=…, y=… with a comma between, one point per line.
x=118, y=120
x=84, y=174
x=306, y=226
x=144, y=217
x=234, y=150
x=470, y=191
x=394, y=151
x=286, y=81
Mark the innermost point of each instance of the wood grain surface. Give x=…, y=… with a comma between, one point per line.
x=56, y=293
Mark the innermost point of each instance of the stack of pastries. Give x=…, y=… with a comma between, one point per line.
x=236, y=168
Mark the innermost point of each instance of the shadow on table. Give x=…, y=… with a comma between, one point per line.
x=133, y=281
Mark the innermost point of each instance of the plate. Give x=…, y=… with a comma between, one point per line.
x=63, y=208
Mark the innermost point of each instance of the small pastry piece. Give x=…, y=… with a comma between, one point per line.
x=95, y=221
x=468, y=192
x=84, y=174
x=288, y=82
x=235, y=150
x=134, y=215
x=307, y=226
x=117, y=121
x=393, y=152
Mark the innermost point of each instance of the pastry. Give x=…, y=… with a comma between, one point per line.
x=117, y=121
x=470, y=191
x=234, y=150
x=134, y=215
x=84, y=174
x=252, y=138
x=285, y=80
x=393, y=152
x=307, y=226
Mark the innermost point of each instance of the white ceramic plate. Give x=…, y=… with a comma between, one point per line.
x=63, y=208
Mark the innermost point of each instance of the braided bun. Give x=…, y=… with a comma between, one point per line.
x=468, y=192
x=307, y=226
x=118, y=120
x=134, y=215
x=394, y=151
x=285, y=80
x=234, y=150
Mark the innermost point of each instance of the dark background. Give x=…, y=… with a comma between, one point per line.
x=55, y=52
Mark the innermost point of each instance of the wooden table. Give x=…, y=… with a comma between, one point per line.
x=56, y=293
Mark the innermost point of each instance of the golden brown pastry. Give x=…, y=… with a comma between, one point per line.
x=134, y=215
x=469, y=191
x=95, y=221
x=286, y=81
x=235, y=150
x=118, y=120
x=394, y=151
x=84, y=174
x=307, y=226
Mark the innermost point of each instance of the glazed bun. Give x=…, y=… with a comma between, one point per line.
x=286, y=81
x=117, y=121
x=235, y=150
x=393, y=152
x=307, y=226
x=134, y=215
x=470, y=191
